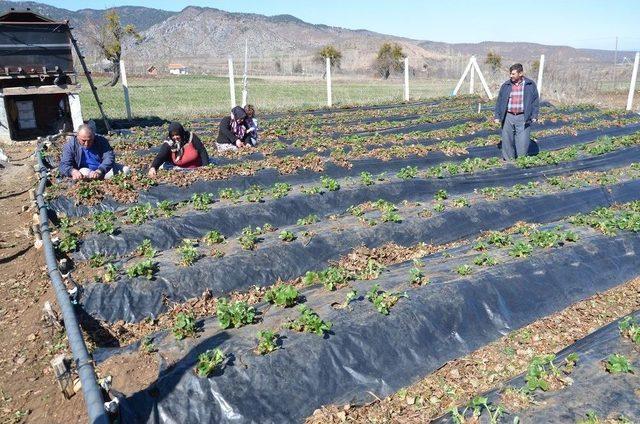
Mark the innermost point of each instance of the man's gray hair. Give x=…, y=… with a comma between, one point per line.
x=87, y=128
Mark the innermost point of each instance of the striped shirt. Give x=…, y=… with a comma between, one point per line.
x=516, y=99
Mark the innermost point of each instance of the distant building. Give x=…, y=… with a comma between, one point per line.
x=152, y=70
x=39, y=90
x=178, y=69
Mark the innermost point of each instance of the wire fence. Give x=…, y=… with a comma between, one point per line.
x=200, y=85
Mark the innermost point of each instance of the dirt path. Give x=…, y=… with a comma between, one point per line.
x=28, y=390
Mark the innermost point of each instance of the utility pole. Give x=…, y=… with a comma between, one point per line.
x=615, y=62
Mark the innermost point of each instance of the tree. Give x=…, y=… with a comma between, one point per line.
x=390, y=58
x=108, y=37
x=535, y=67
x=332, y=53
x=494, y=60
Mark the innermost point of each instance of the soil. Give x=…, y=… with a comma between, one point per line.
x=28, y=388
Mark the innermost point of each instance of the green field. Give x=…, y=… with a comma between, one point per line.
x=190, y=96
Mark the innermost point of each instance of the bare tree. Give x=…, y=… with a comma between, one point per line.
x=494, y=60
x=108, y=37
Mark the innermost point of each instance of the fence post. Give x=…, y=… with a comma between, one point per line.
x=232, y=85
x=125, y=88
x=540, y=71
x=244, y=75
x=632, y=88
x=329, y=97
x=473, y=77
x=406, y=79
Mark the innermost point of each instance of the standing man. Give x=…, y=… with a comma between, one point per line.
x=516, y=108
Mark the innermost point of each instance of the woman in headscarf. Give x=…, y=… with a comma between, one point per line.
x=233, y=130
x=182, y=149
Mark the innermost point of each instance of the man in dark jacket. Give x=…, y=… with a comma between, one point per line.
x=516, y=108
x=88, y=156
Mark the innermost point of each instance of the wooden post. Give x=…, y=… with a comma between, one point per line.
x=540, y=70
x=406, y=79
x=232, y=85
x=329, y=96
x=244, y=75
x=464, y=75
x=482, y=80
x=125, y=88
x=634, y=76
x=472, y=77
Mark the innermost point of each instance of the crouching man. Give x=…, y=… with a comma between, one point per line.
x=89, y=156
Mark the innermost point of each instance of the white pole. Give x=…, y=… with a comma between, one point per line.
x=472, y=77
x=406, y=79
x=125, y=88
x=464, y=75
x=232, y=85
x=632, y=88
x=482, y=80
x=329, y=99
x=540, y=70
x=244, y=76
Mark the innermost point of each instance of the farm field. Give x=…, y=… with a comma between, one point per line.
x=367, y=264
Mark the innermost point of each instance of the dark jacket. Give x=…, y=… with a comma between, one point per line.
x=531, y=101
x=225, y=133
x=72, y=155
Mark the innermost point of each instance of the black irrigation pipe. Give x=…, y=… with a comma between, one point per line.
x=84, y=364
x=136, y=299
x=231, y=218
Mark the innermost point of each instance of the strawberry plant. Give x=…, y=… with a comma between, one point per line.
x=229, y=194
x=439, y=207
x=485, y=260
x=208, y=362
x=370, y=271
x=308, y=220
x=146, y=269
x=184, y=325
x=464, y=269
x=461, y=202
x=309, y=322
x=330, y=278
x=312, y=190
x=617, y=363
x=366, y=178
x=188, y=253
x=147, y=346
x=249, y=238
x=545, y=238
x=139, y=214
x=234, y=314
x=499, y=239
x=407, y=173
x=441, y=195
x=329, y=183
x=87, y=190
x=539, y=370
x=146, y=249
x=280, y=190
x=68, y=242
x=391, y=216
x=417, y=277
x=267, y=342
x=356, y=211
x=166, y=208
x=480, y=246
x=287, y=236
x=521, y=250
x=630, y=328
x=350, y=297
x=213, y=237
x=282, y=295
x=266, y=228
x=111, y=273
x=97, y=260
x=201, y=201
x=477, y=406
x=255, y=194
x=382, y=300
x=103, y=222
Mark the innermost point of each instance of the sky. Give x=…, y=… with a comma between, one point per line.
x=576, y=23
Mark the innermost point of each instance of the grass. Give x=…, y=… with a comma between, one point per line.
x=208, y=95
